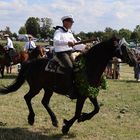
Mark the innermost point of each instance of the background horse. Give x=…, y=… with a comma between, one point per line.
x=20, y=57
x=34, y=72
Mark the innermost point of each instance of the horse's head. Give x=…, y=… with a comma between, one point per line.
x=38, y=52
x=99, y=55
x=123, y=52
x=41, y=51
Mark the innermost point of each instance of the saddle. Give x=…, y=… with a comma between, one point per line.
x=54, y=65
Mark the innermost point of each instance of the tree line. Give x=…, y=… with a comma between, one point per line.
x=43, y=28
x=108, y=32
x=38, y=27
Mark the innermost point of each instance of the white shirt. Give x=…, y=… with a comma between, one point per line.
x=9, y=44
x=61, y=39
x=29, y=45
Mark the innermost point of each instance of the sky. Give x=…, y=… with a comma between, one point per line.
x=89, y=15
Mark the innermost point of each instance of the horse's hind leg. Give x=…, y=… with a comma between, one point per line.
x=88, y=116
x=28, y=97
x=79, y=106
x=45, y=102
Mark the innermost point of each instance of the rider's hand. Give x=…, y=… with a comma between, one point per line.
x=71, y=44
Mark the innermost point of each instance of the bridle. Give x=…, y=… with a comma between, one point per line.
x=119, y=45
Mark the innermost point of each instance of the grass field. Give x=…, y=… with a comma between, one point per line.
x=21, y=43
x=118, y=119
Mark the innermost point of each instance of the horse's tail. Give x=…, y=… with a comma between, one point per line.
x=18, y=82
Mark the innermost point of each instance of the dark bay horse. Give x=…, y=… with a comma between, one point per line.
x=19, y=57
x=34, y=73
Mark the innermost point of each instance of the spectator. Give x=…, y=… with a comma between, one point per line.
x=137, y=67
x=116, y=69
x=30, y=45
x=108, y=70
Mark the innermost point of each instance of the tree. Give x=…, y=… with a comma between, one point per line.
x=90, y=35
x=22, y=30
x=125, y=33
x=14, y=35
x=99, y=34
x=82, y=35
x=109, y=32
x=32, y=26
x=137, y=28
x=45, y=27
x=7, y=31
x=136, y=34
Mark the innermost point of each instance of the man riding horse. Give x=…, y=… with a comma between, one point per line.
x=30, y=45
x=9, y=48
x=64, y=42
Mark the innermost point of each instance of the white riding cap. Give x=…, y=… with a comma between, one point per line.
x=6, y=35
x=69, y=17
x=30, y=36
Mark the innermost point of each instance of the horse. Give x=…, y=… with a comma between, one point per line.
x=96, y=59
x=20, y=57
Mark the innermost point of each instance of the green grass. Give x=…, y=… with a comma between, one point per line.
x=118, y=119
x=21, y=43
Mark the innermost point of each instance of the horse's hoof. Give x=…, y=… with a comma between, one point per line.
x=31, y=119
x=65, y=129
x=31, y=122
x=55, y=124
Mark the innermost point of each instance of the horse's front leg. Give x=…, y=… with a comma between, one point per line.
x=2, y=71
x=88, y=116
x=79, y=106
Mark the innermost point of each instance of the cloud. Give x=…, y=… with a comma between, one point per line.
x=88, y=15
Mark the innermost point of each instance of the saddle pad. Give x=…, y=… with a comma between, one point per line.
x=54, y=65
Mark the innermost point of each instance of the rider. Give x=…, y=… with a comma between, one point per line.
x=63, y=42
x=9, y=47
x=30, y=45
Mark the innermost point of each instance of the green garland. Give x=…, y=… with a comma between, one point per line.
x=1, y=56
x=82, y=82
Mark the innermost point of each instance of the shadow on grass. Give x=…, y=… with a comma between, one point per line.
x=25, y=134
x=9, y=76
x=126, y=81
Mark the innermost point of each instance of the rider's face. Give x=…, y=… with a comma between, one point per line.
x=67, y=24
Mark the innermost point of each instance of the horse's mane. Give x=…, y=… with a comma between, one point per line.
x=97, y=58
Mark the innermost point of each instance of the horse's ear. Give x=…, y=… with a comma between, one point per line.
x=115, y=38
